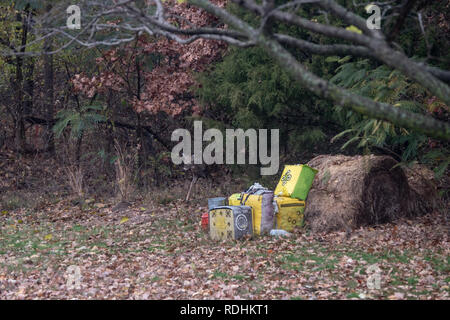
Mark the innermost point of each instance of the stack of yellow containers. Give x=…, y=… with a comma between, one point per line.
x=290, y=196
x=288, y=201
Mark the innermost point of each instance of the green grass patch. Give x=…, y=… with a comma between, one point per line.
x=352, y=295
x=220, y=275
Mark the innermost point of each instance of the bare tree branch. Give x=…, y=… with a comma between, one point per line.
x=326, y=50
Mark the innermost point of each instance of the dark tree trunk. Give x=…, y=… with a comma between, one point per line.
x=49, y=93
x=49, y=99
x=143, y=152
x=28, y=88
x=19, y=87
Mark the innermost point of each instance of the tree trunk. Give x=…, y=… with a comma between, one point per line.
x=19, y=127
x=49, y=93
x=19, y=86
x=28, y=88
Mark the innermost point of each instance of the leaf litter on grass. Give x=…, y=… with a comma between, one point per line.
x=162, y=253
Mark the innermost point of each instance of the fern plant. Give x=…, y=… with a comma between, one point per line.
x=79, y=121
x=383, y=84
x=380, y=84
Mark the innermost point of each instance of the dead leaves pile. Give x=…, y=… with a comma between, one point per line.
x=148, y=251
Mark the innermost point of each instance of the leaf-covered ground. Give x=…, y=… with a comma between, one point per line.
x=161, y=252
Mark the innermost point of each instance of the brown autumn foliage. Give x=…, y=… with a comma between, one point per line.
x=166, y=86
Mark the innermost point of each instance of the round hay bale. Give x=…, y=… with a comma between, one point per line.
x=349, y=192
x=424, y=187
